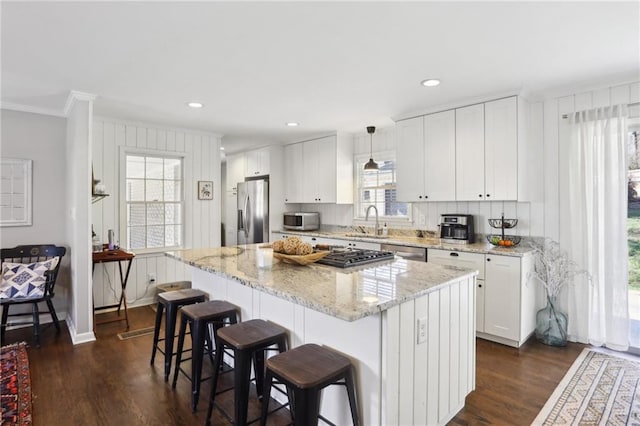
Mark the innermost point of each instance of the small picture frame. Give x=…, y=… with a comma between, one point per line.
x=205, y=190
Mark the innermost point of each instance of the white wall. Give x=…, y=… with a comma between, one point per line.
x=40, y=138
x=201, y=153
x=78, y=226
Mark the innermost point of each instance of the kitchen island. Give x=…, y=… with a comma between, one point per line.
x=407, y=326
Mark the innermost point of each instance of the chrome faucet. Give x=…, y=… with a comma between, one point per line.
x=366, y=217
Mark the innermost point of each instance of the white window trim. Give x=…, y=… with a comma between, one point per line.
x=124, y=151
x=359, y=220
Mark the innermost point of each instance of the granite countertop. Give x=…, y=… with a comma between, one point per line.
x=482, y=247
x=347, y=294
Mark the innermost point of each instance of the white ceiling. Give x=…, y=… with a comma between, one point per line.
x=330, y=66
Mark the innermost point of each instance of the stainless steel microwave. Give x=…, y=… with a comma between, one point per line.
x=301, y=221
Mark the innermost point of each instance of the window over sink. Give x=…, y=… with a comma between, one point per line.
x=378, y=188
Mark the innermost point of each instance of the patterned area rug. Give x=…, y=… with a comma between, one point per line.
x=600, y=388
x=15, y=385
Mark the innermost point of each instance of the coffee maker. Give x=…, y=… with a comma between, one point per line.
x=457, y=228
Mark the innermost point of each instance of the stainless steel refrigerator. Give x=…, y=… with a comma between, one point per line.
x=253, y=211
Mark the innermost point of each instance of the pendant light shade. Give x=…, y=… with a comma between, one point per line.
x=371, y=165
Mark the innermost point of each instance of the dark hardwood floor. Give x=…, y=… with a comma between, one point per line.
x=110, y=381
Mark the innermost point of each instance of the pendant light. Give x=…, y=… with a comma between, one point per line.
x=371, y=165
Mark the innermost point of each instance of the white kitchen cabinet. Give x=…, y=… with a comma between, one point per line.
x=257, y=162
x=326, y=175
x=502, y=297
x=505, y=300
x=410, y=160
x=440, y=151
x=294, y=169
x=425, y=158
x=231, y=218
x=235, y=171
x=501, y=149
x=470, y=166
x=480, y=304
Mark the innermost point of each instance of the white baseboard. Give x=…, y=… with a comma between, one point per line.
x=76, y=338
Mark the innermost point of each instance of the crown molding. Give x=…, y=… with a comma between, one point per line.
x=459, y=104
x=74, y=96
x=32, y=109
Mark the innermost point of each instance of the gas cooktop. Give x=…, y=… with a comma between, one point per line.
x=355, y=257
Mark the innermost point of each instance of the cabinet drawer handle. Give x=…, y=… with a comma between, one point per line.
x=313, y=238
x=454, y=254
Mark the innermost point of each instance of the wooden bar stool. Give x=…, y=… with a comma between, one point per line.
x=199, y=316
x=308, y=369
x=247, y=340
x=172, y=301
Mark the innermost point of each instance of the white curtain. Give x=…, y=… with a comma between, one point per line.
x=598, y=210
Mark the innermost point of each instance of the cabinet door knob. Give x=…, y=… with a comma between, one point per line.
x=420, y=196
x=479, y=285
x=454, y=254
x=480, y=195
x=488, y=195
x=313, y=238
x=488, y=260
x=426, y=196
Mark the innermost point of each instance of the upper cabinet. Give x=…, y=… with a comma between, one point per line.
x=257, y=162
x=468, y=154
x=320, y=171
x=426, y=158
x=294, y=168
x=235, y=171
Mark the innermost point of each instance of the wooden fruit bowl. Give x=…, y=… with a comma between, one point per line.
x=306, y=259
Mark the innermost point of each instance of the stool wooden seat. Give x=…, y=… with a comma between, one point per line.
x=199, y=316
x=247, y=340
x=306, y=370
x=171, y=301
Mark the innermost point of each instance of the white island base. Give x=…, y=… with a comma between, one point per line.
x=407, y=374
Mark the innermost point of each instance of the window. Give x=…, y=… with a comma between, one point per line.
x=154, y=201
x=378, y=188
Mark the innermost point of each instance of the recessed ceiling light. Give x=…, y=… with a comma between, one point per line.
x=293, y=124
x=195, y=105
x=431, y=82
x=222, y=148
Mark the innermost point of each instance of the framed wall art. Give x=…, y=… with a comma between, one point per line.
x=15, y=192
x=205, y=190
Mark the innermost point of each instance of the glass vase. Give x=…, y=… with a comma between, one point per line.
x=551, y=324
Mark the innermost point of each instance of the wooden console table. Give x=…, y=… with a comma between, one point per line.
x=119, y=256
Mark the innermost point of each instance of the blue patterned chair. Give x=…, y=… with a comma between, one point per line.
x=29, y=276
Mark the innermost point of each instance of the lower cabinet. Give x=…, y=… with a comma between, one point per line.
x=505, y=301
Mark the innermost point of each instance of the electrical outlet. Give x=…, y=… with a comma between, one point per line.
x=422, y=330
x=151, y=278
x=423, y=220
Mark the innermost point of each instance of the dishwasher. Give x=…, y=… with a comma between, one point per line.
x=406, y=252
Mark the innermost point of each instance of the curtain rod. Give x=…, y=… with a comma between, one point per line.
x=628, y=105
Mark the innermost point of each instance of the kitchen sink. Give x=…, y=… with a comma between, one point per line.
x=365, y=235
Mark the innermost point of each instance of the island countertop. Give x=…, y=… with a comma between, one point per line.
x=348, y=294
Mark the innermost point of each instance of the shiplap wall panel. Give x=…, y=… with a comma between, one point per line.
x=421, y=378
x=433, y=373
x=199, y=216
x=407, y=342
x=454, y=345
x=444, y=353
